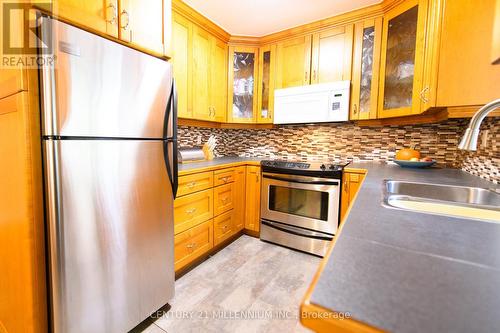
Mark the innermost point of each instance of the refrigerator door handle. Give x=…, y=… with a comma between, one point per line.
x=170, y=137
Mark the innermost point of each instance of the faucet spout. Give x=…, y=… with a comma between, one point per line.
x=471, y=136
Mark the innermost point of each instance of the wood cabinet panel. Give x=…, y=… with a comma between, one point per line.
x=351, y=183
x=141, y=23
x=223, y=227
x=193, y=243
x=201, y=74
x=293, y=62
x=466, y=75
x=13, y=81
x=23, y=306
x=98, y=15
x=239, y=198
x=223, y=198
x=224, y=176
x=193, y=209
x=332, y=55
x=182, y=34
x=218, y=78
x=195, y=182
x=252, y=200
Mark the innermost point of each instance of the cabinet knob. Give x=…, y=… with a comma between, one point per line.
x=111, y=7
x=191, y=184
x=125, y=13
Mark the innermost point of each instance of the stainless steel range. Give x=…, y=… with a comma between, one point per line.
x=300, y=204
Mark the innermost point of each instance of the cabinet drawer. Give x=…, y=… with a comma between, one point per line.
x=223, y=227
x=224, y=176
x=192, y=209
x=193, y=243
x=195, y=182
x=223, y=198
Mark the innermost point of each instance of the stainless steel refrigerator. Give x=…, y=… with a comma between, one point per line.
x=110, y=168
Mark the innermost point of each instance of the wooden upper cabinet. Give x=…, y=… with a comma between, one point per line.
x=201, y=74
x=495, y=49
x=242, y=90
x=141, y=23
x=265, y=84
x=182, y=35
x=402, y=59
x=218, y=81
x=466, y=76
x=293, y=63
x=365, y=69
x=332, y=55
x=101, y=16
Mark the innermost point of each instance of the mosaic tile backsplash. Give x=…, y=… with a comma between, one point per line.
x=348, y=141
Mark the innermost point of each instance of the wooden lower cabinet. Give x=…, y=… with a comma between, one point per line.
x=23, y=305
x=223, y=176
x=350, y=185
x=223, y=227
x=223, y=198
x=193, y=243
x=252, y=199
x=192, y=209
x=239, y=198
x=195, y=182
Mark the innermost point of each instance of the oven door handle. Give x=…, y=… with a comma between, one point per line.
x=297, y=231
x=291, y=180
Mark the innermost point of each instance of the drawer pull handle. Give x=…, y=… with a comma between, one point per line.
x=224, y=200
x=191, y=184
x=191, y=211
x=224, y=227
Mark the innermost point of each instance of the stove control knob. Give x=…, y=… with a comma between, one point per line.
x=332, y=167
x=323, y=167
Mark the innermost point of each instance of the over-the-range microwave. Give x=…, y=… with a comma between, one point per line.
x=315, y=103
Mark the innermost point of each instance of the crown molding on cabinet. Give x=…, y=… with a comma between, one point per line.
x=182, y=8
x=368, y=12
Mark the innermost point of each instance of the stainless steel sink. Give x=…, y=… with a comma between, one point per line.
x=459, y=201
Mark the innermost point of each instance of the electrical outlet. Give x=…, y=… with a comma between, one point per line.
x=484, y=138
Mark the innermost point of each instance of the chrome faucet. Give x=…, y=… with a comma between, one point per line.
x=469, y=140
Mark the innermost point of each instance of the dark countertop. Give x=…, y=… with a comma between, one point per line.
x=216, y=162
x=404, y=271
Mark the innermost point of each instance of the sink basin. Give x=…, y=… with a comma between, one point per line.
x=458, y=201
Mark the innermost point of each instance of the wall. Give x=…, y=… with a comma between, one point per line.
x=348, y=141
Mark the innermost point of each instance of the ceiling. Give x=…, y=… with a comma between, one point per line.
x=262, y=17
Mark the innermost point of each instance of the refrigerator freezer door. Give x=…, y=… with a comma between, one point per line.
x=99, y=88
x=110, y=226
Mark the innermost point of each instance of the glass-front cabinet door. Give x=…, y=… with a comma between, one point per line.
x=402, y=59
x=366, y=65
x=242, y=95
x=265, y=101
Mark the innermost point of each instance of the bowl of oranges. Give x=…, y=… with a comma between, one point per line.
x=410, y=158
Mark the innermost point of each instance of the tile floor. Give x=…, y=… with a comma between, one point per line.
x=249, y=278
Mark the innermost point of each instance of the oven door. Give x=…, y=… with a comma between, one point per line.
x=306, y=202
